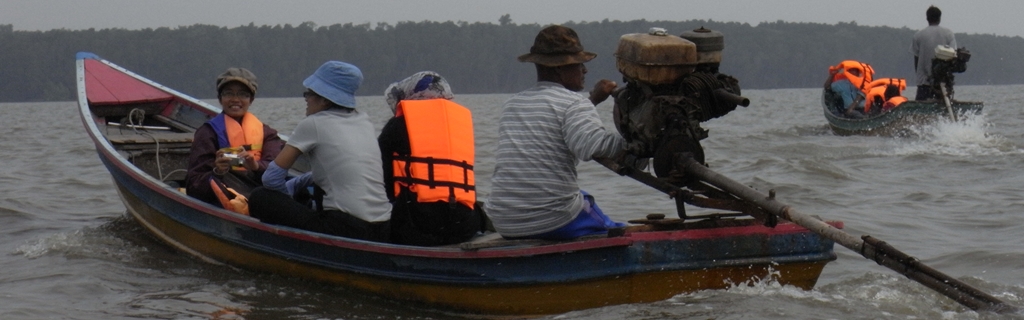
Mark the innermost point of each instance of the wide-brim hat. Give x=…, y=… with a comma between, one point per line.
x=557, y=46
x=241, y=75
x=336, y=81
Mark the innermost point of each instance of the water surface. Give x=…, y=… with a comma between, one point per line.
x=952, y=196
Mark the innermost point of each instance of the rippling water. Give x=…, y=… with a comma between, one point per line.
x=952, y=195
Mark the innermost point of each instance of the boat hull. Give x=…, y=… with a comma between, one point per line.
x=507, y=278
x=493, y=285
x=897, y=122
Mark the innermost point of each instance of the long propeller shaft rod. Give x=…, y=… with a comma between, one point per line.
x=868, y=247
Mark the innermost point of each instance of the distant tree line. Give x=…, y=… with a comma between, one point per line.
x=475, y=57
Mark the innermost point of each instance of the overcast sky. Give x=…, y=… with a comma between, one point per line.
x=999, y=17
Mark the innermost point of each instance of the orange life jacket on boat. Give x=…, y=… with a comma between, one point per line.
x=862, y=81
x=877, y=92
x=229, y=198
x=234, y=135
x=893, y=103
x=899, y=82
x=440, y=166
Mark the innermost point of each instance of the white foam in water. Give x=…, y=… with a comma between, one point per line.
x=966, y=137
x=885, y=294
x=56, y=242
x=770, y=285
x=84, y=242
x=767, y=286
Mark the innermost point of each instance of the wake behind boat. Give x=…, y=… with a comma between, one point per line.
x=143, y=131
x=883, y=110
x=895, y=122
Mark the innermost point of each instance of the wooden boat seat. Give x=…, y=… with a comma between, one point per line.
x=125, y=137
x=174, y=123
x=494, y=240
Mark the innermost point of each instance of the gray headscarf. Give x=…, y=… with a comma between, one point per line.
x=422, y=85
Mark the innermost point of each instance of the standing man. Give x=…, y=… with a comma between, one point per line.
x=543, y=133
x=923, y=49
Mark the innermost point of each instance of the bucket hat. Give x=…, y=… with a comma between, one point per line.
x=242, y=75
x=336, y=81
x=557, y=46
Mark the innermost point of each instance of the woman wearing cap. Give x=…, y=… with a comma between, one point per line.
x=234, y=134
x=428, y=153
x=543, y=133
x=339, y=142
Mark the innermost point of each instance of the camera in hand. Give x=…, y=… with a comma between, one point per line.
x=235, y=160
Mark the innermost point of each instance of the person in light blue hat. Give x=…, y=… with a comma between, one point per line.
x=337, y=82
x=341, y=145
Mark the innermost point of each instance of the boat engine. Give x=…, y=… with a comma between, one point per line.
x=945, y=64
x=672, y=84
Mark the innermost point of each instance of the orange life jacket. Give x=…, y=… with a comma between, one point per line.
x=900, y=82
x=229, y=198
x=234, y=135
x=877, y=90
x=893, y=103
x=862, y=81
x=440, y=166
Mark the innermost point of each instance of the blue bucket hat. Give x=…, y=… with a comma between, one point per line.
x=336, y=81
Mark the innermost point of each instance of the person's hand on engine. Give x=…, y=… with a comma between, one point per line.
x=602, y=89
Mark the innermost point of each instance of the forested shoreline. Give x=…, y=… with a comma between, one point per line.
x=475, y=57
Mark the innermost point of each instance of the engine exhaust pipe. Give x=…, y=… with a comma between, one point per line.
x=725, y=95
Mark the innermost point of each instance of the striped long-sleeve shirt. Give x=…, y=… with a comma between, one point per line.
x=543, y=133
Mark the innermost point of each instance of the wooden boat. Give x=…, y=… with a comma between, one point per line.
x=894, y=122
x=142, y=132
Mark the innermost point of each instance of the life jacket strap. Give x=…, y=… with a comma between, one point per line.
x=431, y=182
